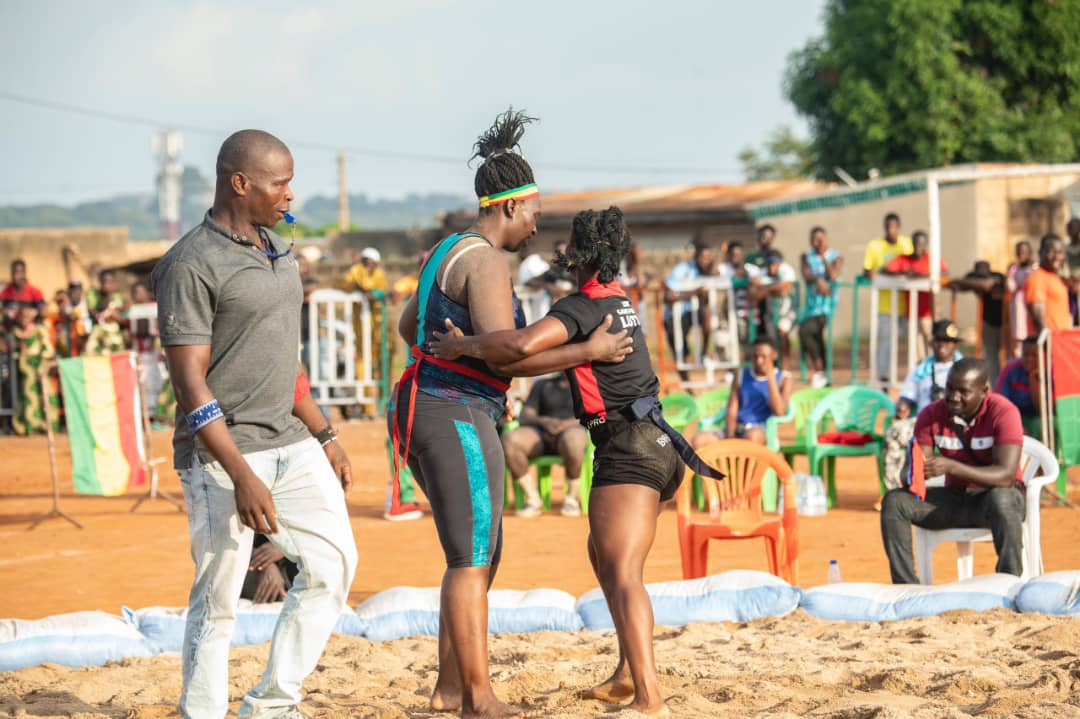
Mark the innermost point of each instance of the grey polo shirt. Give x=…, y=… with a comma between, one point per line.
x=214, y=291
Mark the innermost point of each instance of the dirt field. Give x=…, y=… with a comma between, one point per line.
x=142, y=559
x=961, y=664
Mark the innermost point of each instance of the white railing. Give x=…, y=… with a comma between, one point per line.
x=724, y=328
x=334, y=318
x=1045, y=389
x=897, y=287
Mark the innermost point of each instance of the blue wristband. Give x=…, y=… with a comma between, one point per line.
x=202, y=416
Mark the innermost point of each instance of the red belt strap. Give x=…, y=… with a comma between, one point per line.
x=410, y=373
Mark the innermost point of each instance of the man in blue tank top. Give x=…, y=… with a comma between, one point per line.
x=759, y=391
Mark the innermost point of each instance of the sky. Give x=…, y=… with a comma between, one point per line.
x=628, y=92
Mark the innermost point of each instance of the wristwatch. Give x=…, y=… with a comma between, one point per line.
x=325, y=436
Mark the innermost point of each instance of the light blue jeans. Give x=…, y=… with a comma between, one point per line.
x=313, y=531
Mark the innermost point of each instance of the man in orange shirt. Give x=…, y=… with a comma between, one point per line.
x=1045, y=292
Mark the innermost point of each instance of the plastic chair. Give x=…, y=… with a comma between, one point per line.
x=543, y=465
x=851, y=408
x=587, y=466
x=679, y=409
x=800, y=406
x=711, y=407
x=735, y=510
x=1039, y=468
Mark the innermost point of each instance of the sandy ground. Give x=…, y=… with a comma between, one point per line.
x=961, y=664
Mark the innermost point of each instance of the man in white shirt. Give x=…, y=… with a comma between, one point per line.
x=772, y=292
x=737, y=268
x=681, y=286
x=926, y=382
x=534, y=301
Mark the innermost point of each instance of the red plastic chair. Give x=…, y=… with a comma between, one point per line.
x=735, y=511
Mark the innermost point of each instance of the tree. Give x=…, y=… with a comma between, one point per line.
x=901, y=85
x=782, y=157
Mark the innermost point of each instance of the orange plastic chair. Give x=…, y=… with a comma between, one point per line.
x=735, y=511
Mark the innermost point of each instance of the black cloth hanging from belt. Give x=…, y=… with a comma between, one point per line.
x=650, y=408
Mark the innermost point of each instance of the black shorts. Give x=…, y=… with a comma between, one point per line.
x=457, y=460
x=636, y=452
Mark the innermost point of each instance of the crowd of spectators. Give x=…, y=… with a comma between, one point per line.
x=967, y=416
x=74, y=322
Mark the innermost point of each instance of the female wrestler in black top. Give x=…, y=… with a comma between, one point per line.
x=637, y=465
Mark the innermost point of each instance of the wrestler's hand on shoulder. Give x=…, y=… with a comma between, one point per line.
x=254, y=504
x=448, y=345
x=603, y=346
x=340, y=462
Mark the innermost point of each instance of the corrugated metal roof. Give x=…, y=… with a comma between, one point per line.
x=677, y=198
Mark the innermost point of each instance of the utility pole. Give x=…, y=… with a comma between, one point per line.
x=343, y=195
x=166, y=146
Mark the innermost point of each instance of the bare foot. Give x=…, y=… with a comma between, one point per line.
x=493, y=709
x=616, y=689
x=445, y=700
x=660, y=709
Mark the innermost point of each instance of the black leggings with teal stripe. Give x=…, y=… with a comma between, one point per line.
x=457, y=460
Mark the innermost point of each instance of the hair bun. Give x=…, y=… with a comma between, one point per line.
x=504, y=135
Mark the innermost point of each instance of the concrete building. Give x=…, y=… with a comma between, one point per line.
x=984, y=210
x=50, y=267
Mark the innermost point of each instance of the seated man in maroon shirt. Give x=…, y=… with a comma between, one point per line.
x=974, y=438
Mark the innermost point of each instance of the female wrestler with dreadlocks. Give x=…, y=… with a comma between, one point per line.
x=442, y=418
x=639, y=458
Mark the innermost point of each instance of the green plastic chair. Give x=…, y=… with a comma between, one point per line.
x=711, y=410
x=850, y=408
x=800, y=406
x=543, y=465
x=680, y=410
x=711, y=407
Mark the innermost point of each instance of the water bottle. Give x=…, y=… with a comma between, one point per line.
x=834, y=572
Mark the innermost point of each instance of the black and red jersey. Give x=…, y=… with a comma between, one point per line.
x=604, y=388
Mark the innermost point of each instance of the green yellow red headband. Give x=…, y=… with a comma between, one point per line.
x=518, y=193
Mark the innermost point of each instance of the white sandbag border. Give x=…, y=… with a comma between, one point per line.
x=735, y=596
x=868, y=602
x=94, y=638
x=254, y=624
x=79, y=639
x=1053, y=593
x=411, y=611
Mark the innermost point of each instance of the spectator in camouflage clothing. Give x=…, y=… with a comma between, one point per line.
x=35, y=349
x=107, y=337
x=897, y=439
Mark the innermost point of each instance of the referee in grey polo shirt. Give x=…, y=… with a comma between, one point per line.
x=251, y=458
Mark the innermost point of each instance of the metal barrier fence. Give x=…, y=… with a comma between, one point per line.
x=723, y=322
x=1046, y=390
x=9, y=378
x=896, y=287
x=727, y=327
x=346, y=332
x=727, y=341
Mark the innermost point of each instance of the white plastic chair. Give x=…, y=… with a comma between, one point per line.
x=1040, y=468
